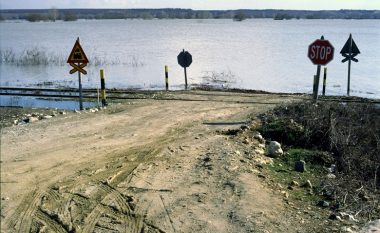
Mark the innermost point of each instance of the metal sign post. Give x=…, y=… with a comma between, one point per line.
x=80, y=91
x=185, y=77
x=349, y=52
x=78, y=60
x=185, y=59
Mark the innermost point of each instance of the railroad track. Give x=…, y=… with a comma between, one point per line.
x=72, y=93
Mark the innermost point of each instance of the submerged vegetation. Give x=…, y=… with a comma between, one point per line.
x=38, y=56
x=213, y=79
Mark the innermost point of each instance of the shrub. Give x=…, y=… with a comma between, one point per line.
x=351, y=131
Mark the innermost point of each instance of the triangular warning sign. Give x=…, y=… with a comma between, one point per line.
x=346, y=47
x=77, y=55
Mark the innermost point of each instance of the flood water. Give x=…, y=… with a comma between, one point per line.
x=261, y=54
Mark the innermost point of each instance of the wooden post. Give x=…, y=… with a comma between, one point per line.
x=324, y=81
x=167, y=78
x=316, y=83
x=103, y=88
x=317, y=79
x=80, y=90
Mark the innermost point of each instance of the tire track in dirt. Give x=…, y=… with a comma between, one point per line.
x=48, y=222
x=22, y=218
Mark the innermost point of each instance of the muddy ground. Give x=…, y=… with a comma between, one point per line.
x=146, y=166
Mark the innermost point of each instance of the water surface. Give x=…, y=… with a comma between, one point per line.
x=260, y=54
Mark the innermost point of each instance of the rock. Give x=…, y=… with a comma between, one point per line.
x=294, y=183
x=300, y=166
x=348, y=217
x=261, y=146
x=371, y=227
x=31, y=119
x=231, y=169
x=274, y=149
x=262, y=161
x=246, y=141
x=261, y=176
x=347, y=229
x=244, y=127
x=329, y=195
x=286, y=194
x=15, y=122
x=47, y=117
x=331, y=176
x=260, y=151
x=333, y=216
x=307, y=184
x=62, y=112
x=332, y=168
x=258, y=137
x=323, y=204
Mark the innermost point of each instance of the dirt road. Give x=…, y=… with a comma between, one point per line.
x=141, y=166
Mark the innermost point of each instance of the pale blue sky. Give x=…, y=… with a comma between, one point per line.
x=196, y=4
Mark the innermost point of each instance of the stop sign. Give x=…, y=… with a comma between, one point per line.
x=320, y=52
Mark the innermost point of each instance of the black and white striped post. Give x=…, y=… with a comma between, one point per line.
x=103, y=88
x=167, y=78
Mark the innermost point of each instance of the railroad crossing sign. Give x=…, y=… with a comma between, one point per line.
x=321, y=52
x=77, y=59
x=349, y=52
x=78, y=68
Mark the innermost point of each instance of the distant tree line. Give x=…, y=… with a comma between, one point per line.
x=172, y=13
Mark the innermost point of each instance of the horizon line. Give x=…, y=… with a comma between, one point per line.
x=165, y=8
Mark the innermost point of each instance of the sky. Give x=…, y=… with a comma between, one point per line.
x=195, y=4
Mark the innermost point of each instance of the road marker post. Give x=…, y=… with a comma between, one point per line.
x=103, y=88
x=167, y=78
